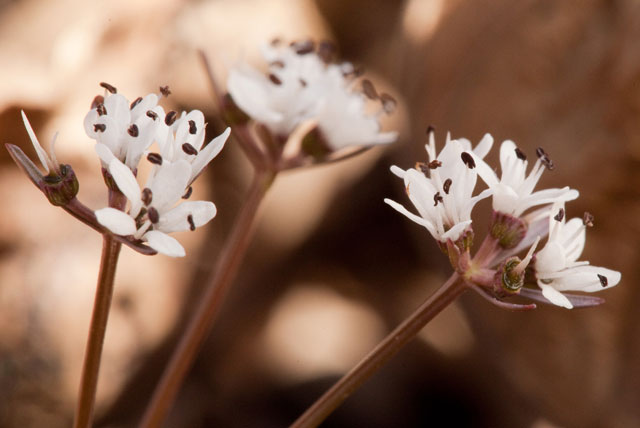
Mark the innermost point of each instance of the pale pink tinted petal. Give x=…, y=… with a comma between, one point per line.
x=116, y=221
x=163, y=243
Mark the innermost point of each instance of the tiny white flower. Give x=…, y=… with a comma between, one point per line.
x=184, y=138
x=343, y=122
x=444, y=200
x=302, y=85
x=154, y=211
x=122, y=130
x=513, y=194
x=556, y=265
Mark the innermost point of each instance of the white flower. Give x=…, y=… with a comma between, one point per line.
x=444, y=199
x=301, y=85
x=123, y=130
x=183, y=140
x=343, y=122
x=556, y=265
x=153, y=211
x=513, y=194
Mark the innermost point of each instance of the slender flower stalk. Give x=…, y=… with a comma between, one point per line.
x=97, y=330
x=205, y=314
x=270, y=119
x=495, y=272
x=382, y=353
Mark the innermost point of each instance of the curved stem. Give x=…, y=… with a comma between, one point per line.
x=382, y=353
x=204, y=316
x=97, y=330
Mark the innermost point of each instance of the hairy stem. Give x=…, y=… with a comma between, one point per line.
x=205, y=314
x=382, y=353
x=97, y=330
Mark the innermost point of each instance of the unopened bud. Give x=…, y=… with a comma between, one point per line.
x=508, y=278
x=507, y=229
x=61, y=189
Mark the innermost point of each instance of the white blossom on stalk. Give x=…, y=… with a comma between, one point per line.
x=120, y=129
x=153, y=211
x=444, y=199
x=513, y=194
x=183, y=139
x=556, y=266
x=302, y=84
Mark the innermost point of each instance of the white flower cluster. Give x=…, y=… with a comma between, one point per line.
x=442, y=192
x=124, y=133
x=301, y=85
x=556, y=265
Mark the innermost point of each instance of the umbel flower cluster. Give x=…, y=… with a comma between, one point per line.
x=442, y=191
x=304, y=91
x=124, y=133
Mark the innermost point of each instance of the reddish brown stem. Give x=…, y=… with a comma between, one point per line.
x=382, y=353
x=205, y=314
x=97, y=330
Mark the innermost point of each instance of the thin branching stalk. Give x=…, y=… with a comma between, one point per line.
x=205, y=314
x=97, y=330
x=382, y=353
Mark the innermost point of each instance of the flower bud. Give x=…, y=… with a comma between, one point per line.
x=60, y=189
x=508, y=278
x=507, y=230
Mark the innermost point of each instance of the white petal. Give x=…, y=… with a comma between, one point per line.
x=163, y=243
x=169, y=184
x=554, y=296
x=483, y=147
x=104, y=153
x=209, y=152
x=485, y=172
x=127, y=184
x=585, y=278
x=455, y=232
x=42, y=155
x=175, y=220
x=116, y=221
x=117, y=107
x=397, y=171
x=248, y=88
x=421, y=221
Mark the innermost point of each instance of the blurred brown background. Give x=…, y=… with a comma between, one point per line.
x=332, y=268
